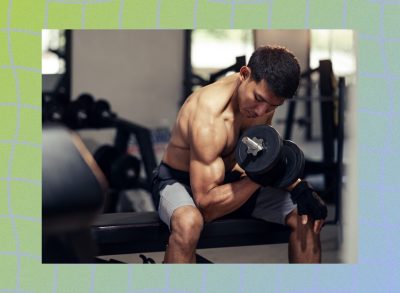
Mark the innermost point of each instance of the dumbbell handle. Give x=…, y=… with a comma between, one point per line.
x=253, y=147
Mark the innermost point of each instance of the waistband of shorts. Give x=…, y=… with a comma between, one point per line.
x=166, y=171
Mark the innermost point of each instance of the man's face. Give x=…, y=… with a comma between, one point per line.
x=256, y=99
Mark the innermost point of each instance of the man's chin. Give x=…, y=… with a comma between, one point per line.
x=249, y=115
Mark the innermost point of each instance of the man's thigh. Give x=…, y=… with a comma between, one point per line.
x=173, y=197
x=273, y=205
x=268, y=204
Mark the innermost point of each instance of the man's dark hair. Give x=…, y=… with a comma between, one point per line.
x=278, y=67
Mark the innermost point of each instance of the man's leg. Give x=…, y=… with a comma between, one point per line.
x=274, y=205
x=304, y=244
x=186, y=225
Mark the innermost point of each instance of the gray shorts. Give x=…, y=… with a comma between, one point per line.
x=171, y=190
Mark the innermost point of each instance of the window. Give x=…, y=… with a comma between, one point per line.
x=213, y=50
x=337, y=45
x=53, y=51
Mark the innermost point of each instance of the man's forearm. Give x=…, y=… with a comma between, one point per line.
x=226, y=198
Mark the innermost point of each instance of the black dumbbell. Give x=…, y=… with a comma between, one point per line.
x=104, y=156
x=53, y=107
x=125, y=172
x=101, y=114
x=78, y=113
x=267, y=158
x=53, y=112
x=121, y=170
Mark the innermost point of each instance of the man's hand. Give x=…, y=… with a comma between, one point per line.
x=309, y=205
x=318, y=224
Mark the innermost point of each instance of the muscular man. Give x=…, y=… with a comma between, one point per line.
x=194, y=182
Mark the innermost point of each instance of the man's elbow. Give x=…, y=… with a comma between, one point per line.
x=205, y=209
x=208, y=216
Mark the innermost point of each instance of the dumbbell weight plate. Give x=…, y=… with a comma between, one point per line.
x=266, y=158
x=105, y=156
x=125, y=172
x=79, y=110
x=57, y=111
x=293, y=164
x=53, y=107
x=85, y=99
x=101, y=110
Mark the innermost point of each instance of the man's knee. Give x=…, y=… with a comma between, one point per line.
x=186, y=226
x=293, y=221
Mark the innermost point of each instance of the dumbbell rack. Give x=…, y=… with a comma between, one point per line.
x=142, y=134
x=86, y=113
x=143, y=137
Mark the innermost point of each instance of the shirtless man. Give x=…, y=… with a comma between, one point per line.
x=192, y=185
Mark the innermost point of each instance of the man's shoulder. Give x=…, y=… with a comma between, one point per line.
x=206, y=102
x=214, y=98
x=223, y=86
x=207, y=116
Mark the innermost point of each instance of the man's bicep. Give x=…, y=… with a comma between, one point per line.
x=207, y=169
x=206, y=176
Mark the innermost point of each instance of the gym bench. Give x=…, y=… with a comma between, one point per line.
x=122, y=233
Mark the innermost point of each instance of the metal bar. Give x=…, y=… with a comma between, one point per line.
x=143, y=137
x=340, y=142
x=290, y=119
x=240, y=61
x=187, y=65
x=308, y=133
x=312, y=99
x=68, y=62
x=327, y=117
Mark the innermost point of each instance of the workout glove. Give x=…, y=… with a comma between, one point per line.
x=308, y=201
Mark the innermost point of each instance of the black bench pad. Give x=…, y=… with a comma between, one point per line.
x=122, y=233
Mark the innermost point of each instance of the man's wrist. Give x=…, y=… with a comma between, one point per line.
x=252, y=181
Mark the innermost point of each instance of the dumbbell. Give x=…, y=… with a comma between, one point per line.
x=267, y=158
x=121, y=170
x=101, y=114
x=54, y=107
x=78, y=112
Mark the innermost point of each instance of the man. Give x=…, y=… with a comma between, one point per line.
x=192, y=185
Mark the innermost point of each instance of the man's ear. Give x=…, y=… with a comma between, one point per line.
x=245, y=72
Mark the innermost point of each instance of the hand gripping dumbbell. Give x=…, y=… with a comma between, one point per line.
x=268, y=159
